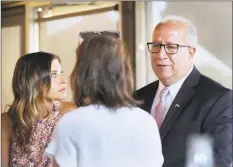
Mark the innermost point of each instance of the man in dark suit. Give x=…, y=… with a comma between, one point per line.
x=183, y=101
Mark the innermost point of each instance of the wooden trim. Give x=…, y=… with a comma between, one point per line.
x=38, y=4
x=80, y=13
x=40, y=28
x=14, y=11
x=5, y=5
x=127, y=29
x=120, y=20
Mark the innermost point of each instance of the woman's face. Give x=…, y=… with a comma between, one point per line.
x=58, y=82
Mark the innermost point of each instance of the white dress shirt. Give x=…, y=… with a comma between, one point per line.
x=173, y=90
x=94, y=136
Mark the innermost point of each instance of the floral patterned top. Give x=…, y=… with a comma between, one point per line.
x=39, y=140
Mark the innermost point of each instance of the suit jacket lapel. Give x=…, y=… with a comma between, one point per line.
x=149, y=96
x=186, y=91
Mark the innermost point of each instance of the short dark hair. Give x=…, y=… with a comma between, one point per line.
x=102, y=74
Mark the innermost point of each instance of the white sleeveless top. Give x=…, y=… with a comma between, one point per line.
x=94, y=136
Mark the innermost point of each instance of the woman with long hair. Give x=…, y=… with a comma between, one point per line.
x=39, y=88
x=108, y=129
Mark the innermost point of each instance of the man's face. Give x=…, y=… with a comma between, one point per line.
x=170, y=68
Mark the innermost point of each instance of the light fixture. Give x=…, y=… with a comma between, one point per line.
x=39, y=9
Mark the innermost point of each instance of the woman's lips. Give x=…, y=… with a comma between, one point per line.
x=63, y=89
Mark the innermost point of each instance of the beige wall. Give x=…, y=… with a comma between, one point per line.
x=57, y=36
x=12, y=49
x=213, y=21
x=61, y=36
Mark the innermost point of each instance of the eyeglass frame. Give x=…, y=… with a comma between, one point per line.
x=178, y=45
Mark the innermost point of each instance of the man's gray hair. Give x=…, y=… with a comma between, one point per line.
x=192, y=32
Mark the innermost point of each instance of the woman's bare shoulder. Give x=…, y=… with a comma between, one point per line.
x=67, y=107
x=6, y=124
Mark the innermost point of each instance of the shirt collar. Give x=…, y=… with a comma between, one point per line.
x=174, y=88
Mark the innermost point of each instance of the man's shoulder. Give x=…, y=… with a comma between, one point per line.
x=210, y=89
x=146, y=88
x=146, y=92
x=211, y=85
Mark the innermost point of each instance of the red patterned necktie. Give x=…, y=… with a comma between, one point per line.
x=161, y=107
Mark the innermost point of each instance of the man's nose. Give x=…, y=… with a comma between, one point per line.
x=162, y=53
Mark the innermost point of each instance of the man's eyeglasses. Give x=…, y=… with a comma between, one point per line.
x=87, y=34
x=169, y=48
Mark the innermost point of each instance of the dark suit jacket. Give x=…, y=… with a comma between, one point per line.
x=205, y=107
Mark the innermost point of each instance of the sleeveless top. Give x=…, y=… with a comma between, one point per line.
x=40, y=137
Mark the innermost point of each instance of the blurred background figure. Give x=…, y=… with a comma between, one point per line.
x=199, y=151
x=107, y=130
x=38, y=87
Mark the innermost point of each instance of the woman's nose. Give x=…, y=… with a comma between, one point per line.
x=63, y=79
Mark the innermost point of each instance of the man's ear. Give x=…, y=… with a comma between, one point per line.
x=192, y=51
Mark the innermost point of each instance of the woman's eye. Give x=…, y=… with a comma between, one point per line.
x=53, y=75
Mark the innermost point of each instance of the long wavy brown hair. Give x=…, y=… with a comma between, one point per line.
x=31, y=83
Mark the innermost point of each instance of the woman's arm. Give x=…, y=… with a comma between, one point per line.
x=5, y=142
